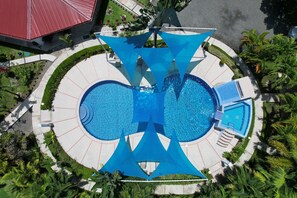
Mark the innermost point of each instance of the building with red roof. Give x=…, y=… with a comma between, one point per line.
x=27, y=20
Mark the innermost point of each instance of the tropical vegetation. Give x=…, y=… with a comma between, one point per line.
x=272, y=172
x=25, y=172
x=16, y=83
x=156, y=13
x=273, y=60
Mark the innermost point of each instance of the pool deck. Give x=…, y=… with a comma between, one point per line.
x=93, y=153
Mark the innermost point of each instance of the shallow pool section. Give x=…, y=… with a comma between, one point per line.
x=107, y=109
x=237, y=117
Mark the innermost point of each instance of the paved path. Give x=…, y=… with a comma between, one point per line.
x=29, y=59
x=17, y=113
x=130, y=5
x=231, y=17
x=36, y=114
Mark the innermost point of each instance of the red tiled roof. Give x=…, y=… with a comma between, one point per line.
x=29, y=19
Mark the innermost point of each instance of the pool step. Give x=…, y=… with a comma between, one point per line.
x=225, y=139
x=86, y=114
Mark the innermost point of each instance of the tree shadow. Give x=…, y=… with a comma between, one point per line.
x=277, y=16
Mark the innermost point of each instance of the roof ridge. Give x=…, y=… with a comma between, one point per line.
x=73, y=7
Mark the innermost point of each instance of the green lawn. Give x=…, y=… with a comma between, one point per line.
x=114, y=13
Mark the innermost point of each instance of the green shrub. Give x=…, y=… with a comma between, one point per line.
x=55, y=79
x=225, y=58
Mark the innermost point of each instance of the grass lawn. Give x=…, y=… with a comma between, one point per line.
x=15, y=53
x=16, y=84
x=114, y=13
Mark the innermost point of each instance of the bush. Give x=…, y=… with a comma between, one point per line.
x=225, y=58
x=55, y=79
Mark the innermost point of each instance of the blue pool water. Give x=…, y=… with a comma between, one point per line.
x=107, y=108
x=237, y=117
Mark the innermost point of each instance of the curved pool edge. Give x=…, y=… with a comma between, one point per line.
x=192, y=78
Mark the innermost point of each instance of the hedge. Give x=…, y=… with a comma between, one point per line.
x=55, y=79
x=225, y=58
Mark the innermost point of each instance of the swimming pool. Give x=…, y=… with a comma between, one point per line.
x=107, y=109
x=237, y=117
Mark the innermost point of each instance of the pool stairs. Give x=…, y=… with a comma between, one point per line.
x=225, y=138
x=86, y=114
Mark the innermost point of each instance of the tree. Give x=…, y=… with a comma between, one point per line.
x=110, y=183
x=66, y=39
x=274, y=59
x=159, y=11
x=242, y=183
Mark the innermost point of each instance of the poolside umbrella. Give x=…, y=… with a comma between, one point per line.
x=183, y=47
x=158, y=60
x=126, y=49
x=123, y=161
x=176, y=162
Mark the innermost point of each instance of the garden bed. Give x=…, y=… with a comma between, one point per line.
x=16, y=84
x=116, y=15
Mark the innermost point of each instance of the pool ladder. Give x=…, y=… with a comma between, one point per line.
x=225, y=139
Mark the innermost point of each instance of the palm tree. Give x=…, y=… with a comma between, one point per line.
x=131, y=190
x=242, y=183
x=66, y=39
x=278, y=180
x=274, y=58
x=211, y=189
x=61, y=184
x=110, y=183
x=19, y=180
x=289, y=102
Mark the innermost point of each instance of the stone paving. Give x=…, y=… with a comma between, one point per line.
x=130, y=5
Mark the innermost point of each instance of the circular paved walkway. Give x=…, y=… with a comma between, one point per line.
x=93, y=153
